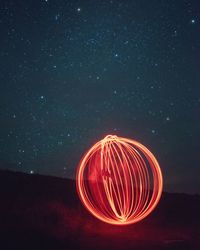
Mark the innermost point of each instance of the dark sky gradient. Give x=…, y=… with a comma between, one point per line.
x=72, y=72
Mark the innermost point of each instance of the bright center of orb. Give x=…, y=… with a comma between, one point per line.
x=119, y=180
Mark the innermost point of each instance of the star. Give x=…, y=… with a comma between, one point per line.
x=57, y=17
x=193, y=21
x=21, y=150
x=79, y=9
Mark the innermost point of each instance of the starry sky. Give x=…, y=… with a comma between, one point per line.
x=72, y=72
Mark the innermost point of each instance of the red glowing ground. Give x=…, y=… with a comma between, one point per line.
x=119, y=181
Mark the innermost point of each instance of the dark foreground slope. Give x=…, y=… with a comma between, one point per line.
x=39, y=212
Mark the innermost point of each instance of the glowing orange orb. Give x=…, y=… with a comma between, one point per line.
x=119, y=181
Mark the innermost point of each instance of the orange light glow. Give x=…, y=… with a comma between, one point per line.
x=119, y=181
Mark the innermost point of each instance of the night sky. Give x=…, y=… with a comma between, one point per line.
x=72, y=72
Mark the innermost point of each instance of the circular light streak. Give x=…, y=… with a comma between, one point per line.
x=119, y=180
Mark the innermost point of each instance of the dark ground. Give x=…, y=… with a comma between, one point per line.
x=41, y=212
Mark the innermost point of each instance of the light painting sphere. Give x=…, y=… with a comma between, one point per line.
x=119, y=181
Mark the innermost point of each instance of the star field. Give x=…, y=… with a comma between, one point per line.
x=74, y=71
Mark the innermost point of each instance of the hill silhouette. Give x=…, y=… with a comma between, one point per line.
x=42, y=212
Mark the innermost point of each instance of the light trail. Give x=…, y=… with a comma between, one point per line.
x=119, y=181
